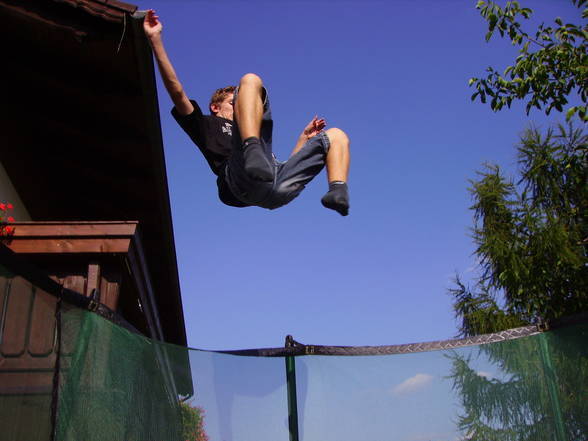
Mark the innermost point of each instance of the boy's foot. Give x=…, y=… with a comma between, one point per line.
x=337, y=198
x=257, y=165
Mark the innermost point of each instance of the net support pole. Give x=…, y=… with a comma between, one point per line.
x=552, y=388
x=291, y=386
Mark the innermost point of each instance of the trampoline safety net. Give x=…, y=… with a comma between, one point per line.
x=85, y=378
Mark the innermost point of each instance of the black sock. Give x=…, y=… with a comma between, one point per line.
x=257, y=165
x=337, y=198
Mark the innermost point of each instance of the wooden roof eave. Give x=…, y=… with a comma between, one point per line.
x=109, y=10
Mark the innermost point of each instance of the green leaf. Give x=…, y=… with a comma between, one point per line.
x=493, y=19
x=571, y=111
x=544, y=77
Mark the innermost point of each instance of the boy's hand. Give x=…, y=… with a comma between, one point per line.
x=151, y=25
x=314, y=127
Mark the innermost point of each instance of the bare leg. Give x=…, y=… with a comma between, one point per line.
x=338, y=156
x=249, y=108
x=337, y=198
x=249, y=114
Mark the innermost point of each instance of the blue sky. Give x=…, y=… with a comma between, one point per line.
x=393, y=75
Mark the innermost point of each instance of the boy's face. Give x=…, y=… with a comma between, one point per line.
x=225, y=108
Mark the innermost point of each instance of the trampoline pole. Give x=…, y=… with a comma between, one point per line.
x=291, y=385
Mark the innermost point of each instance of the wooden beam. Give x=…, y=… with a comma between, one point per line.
x=74, y=229
x=71, y=237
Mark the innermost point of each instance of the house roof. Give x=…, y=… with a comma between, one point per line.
x=110, y=10
x=81, y=136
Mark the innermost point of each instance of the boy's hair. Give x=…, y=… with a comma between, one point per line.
x=219, y=95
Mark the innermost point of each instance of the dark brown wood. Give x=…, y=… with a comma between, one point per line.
x=16, y=319
x=26, y=382
x=71, y=237
x=73, y=282
x=3, y=289
x=94, y=83
x=89, y=68
x=75, y=229
x=35, y=246
x=110, y=10
x=93, y=279
x=27, y=348
x=42, y=327
x=109, y=293
x=26, y=363
x=114, y=266
x=97, y=244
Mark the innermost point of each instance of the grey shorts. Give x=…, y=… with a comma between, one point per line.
x=290, y=177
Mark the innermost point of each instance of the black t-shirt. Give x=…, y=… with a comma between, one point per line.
x=213, y=136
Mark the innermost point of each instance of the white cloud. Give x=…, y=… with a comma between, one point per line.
x=412, y=384
x=486, y=375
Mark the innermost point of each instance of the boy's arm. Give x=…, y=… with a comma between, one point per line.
x=153, y=27
x=313, y=128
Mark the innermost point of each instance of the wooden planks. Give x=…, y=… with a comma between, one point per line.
x=27, y=315
x=72, y=237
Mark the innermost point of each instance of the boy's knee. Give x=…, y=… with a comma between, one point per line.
x=251, y=79
x=337, y=135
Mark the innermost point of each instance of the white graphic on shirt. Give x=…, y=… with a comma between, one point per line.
x=228, y=128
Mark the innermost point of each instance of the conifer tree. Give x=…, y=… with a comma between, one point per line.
x=531, y=236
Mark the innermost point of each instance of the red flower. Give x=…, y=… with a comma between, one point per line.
x=9, y=206
x=2, y=206
x=10, y=219
x=9, y=230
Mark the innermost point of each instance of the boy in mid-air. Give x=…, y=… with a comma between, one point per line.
x=236, y=141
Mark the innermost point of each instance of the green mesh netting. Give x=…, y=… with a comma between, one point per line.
x=116, y=385
x=525, y=389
